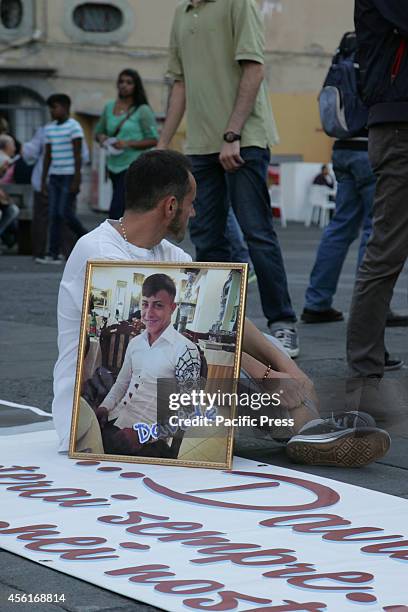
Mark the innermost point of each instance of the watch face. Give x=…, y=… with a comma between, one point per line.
x=231, y=137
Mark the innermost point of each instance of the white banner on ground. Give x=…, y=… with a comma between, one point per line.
x=256, y=539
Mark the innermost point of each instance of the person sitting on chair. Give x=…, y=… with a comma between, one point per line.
x=158, y=352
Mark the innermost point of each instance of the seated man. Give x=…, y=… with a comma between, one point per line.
x=158, y=352
x=324, y=177
x=160, y=191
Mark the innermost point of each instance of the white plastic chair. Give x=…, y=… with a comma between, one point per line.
x=275, y=194
x=319, y=201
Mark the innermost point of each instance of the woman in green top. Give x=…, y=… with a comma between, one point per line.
x=130, y=125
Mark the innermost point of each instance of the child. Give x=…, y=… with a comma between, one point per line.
x=62, y=162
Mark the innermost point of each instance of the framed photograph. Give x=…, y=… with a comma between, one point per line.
x=159, y=353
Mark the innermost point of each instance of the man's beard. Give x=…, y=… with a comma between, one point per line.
x=176, y=229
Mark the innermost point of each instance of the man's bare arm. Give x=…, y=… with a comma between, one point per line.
x=177, y=106
x=255, y=344
x=251, y=79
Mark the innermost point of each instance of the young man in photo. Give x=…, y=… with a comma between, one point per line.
x=158, y=352
x=160, y=191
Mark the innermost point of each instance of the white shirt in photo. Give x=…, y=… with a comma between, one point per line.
x=133, y=397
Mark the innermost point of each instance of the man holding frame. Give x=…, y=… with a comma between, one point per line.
x=160, y=191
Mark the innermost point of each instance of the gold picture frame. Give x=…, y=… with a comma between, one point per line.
x=184, y=335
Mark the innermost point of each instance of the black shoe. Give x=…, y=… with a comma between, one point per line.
x=321, y=316
x=396, y=320
x=392, y=364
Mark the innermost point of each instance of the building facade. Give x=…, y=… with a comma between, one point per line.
x=79, y=47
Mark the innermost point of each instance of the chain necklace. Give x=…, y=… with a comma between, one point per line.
x=125, y=238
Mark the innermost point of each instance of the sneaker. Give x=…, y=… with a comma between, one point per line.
x=48, y=260
x=324, y=442
x=288, y=337
x=352, y=419
x=396, y=320
x=321, y=316
x=392, y=364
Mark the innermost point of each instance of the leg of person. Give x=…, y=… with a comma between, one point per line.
x=55, y=215
x=68, y=208
x=352, y=168
x=251, y=203
x=39, y=225
x=385, y=255
x=367, y=193
x=366, y=190
x=10, y=212
x=239, y=249
x=208, y=227
x=117, y=206
x=349, y=439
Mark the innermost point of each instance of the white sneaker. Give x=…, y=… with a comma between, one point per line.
x=48, y=260
x=288, y=337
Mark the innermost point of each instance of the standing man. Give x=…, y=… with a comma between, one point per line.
x=382, y=35
x=216, y=62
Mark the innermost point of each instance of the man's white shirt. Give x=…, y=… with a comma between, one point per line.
x=104, y=242
x=133, y=398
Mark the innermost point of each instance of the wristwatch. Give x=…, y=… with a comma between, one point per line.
x=231, y=137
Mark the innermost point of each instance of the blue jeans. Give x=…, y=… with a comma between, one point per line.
x=247, y=192
x=61, y=203
x=8, y=214
x=117, y=206
x=239, y=249
x=354, y=203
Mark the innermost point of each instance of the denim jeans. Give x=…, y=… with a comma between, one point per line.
x=239, y=249
x=117, y=206
x=354, y=204
x=247, y=192
x=61, y=203
x=8, y=214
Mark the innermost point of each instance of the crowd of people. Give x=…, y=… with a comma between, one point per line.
x=219, y=81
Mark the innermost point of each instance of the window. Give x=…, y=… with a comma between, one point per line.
x=11, y=13
x=98, y=17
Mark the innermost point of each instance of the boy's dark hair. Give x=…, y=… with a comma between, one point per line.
x=154, y=176
x=62, y=99
x=158, y=282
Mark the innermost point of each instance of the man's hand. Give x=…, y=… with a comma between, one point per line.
x=44, y=189
x=293, y=392
x=102, y=416
x=120, y=144
x=75, y=185
x=230, y=156
x=161, y=146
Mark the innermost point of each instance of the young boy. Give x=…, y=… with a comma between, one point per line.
x=62, y=162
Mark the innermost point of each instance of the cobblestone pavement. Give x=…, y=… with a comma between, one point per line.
x=28, y=295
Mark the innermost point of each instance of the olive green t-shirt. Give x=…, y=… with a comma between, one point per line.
x=207, y=42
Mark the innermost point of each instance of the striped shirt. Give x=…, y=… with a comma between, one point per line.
x=60, y=137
